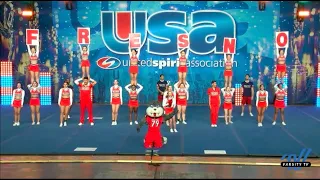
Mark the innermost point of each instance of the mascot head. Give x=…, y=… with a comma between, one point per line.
x=154, y=110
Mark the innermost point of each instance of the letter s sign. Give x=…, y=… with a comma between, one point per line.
x=206, y=35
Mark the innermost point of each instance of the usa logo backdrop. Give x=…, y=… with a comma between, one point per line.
x=207, y=23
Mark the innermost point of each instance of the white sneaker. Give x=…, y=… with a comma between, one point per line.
x=33, y=123
x=171, y=130
x=184, y=122
x=115, y=123
x=215, y=125
x=226, y=123
x=176, y=122
x=167, y=122
x=91, y=124
x=283, y=123
x=241, y=114
x=130, y=123
x=68, y=117
x=273, y=123
x=251, y=114
x=18, y=124
x=259, y=124
x=136, y=122
x=112, y=123
x=14, y=124
x=65, y=123
x=175, y=130
x=80, y=124
x=60, y=124
x=230, y=122
x=38, y=123
x=212, y=125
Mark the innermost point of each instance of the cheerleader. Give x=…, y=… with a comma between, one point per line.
x=34, y=103
x=65, y=102
x=228, y=58
x=115, y=100
x=85, y=63
x=133, y=69
x=182, y=96
x=182, y=69
x=261, y=103
x=169, y=103
x=17, y=103
x=227, y=105
x=34, y=66
x=133, y=101
x=279, y=104
x=281, y=63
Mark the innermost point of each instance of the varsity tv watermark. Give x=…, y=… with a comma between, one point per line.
x=296, y=163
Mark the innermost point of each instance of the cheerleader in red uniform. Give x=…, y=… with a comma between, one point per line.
x=182, y=69
x=85, y=63
x=34, y=66
x=214, y=103
x=65, y=101
x=115, y=100
x=133, y=101
x=35, y=101
x=169, y=103
x=227, y=105
x=279, y=104
x=261, y=103
x=228, y=58
x=133, y=69
x=182, y=96
x=17, y=103
x=281, y=63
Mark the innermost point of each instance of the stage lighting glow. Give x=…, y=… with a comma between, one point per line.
x=238, y=95
x=27, y=13
x=318, y=87
x=45, y=92
x=6, y=82
x=304, y=13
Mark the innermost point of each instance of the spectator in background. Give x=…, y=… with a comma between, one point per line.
x=161, y=87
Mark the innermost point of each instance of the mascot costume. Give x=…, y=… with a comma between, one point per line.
x=154, y=118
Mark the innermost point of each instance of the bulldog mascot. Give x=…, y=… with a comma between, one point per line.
x=154, y=118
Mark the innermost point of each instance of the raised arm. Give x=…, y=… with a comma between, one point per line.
x=88, y=51
x=223, y=91
x=127, y=88
x=93, y=82
x=277, y=49
x=129, y=49
x=71, y=95
x=37, y=50
x=60, y=94
x=140, y=88
x=285, y=52
x=77, y=81
x=81, y=52
x=12, y=99
x=176, y=86
x=138, y=52
x=232, y=91
x=187, y=85
x=29, y=50
x=120, y=89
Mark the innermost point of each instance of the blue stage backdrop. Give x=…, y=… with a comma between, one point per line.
x=159, y=23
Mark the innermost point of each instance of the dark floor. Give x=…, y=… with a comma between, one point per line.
x=145, y=171
x=241, y=138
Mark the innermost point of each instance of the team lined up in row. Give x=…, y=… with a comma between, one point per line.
x=171, y=97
